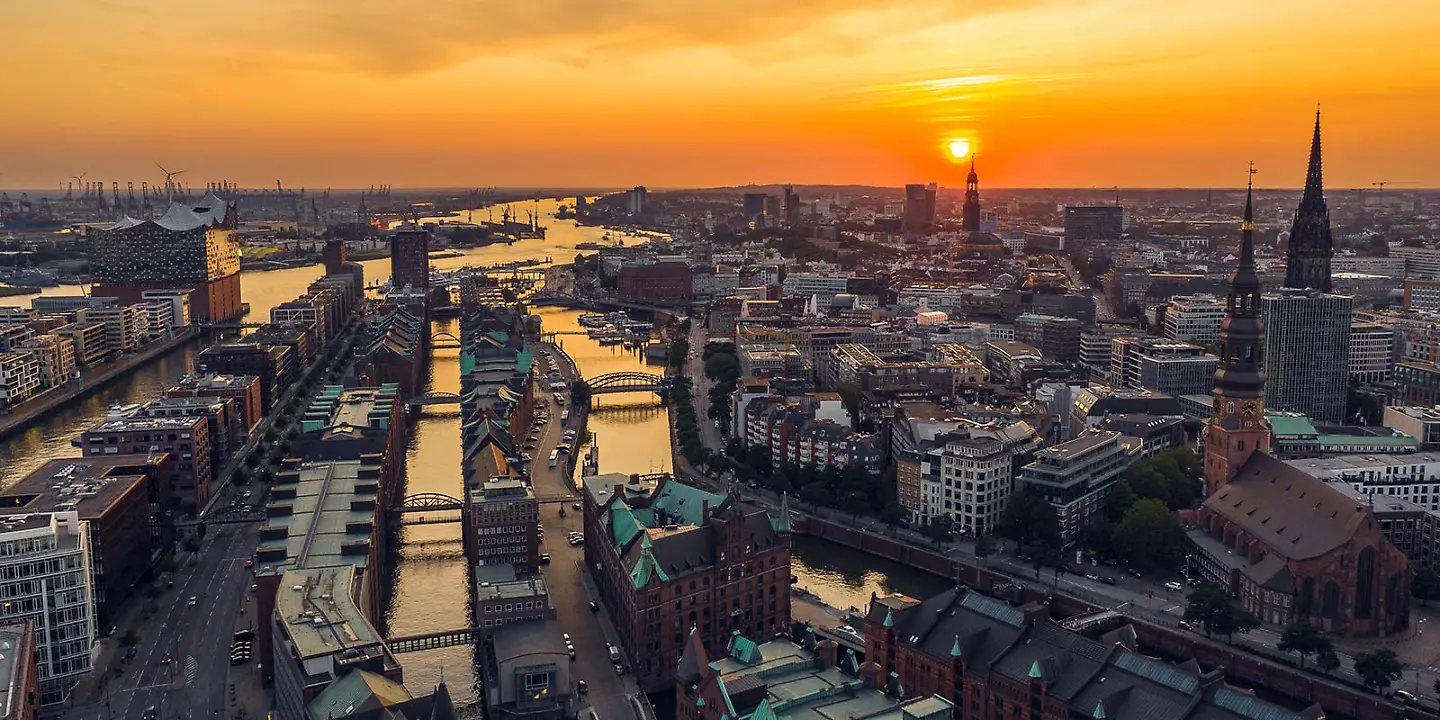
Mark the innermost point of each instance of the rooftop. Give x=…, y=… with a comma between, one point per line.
x=89, y=487
x=318, y=612
x=326, y=523
x=131, y=424
x=12, y=638
x=216, y=381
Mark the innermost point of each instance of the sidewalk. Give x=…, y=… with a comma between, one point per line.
x=245, y=694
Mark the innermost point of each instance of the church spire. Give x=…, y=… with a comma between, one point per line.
x=970, y=212
x=1307, y=259
x=1314, y=179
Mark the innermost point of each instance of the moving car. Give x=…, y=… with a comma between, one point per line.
x=1173, y=586
x=582, y=687
x=545, y=559
x=594, y=607
x=194, y=600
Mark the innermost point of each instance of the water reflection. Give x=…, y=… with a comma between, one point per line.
x=845, y=578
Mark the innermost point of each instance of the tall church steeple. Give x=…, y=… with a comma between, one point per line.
x=1237, y=426
x=970, y=213
x=1307, y=260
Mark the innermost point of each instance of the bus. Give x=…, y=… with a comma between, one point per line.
x=565, y=418
x=554, y=458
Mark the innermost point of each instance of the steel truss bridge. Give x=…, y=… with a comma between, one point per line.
x=432, y=641
x=630, y=381
x=434, y=398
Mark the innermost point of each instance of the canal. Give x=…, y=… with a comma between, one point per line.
x=429, y=585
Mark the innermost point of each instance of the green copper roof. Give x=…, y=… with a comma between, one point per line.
x=889, y=618
x=744, y=649
x=1099, y=713
x=782, y=523
x=623, y=525
x=1035, y=671
x=955, y=649
x=647, y=567
x=763, y=711
x=683, y=504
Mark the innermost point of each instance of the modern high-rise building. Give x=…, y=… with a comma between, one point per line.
x=191, y=247
x=1094, y=222
x=1307, y=258
x=970, y=211
x=45, y=578
x=1307, y=352
x=410, y=257
x=919, y=208
x=1194, y=319
x=1166, y=366
x=792, y=207
x=754, y=207
x=1372, y=352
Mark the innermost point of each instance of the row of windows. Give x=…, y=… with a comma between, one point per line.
x=508, y=607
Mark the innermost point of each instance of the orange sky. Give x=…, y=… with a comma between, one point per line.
x=717, y=92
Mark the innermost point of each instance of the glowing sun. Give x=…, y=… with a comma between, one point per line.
x=959, y=148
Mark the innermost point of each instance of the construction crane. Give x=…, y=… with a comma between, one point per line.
x=1381, y=197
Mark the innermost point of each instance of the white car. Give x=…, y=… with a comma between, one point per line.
x=194, y=600
x=1173, y=586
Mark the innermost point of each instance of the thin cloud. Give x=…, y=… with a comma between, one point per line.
x=388, y=37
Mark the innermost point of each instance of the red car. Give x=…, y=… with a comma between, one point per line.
x=249, y=563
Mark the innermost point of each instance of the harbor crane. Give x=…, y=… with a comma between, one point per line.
x=1381, y=197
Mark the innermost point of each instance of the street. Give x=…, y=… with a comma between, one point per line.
x=197, y=639
x=570, y=590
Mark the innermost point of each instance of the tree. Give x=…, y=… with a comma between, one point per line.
x=1208, y=605
x=1029, y=519
x=1119, y=500
x=722, y=367
x=984, y=548
x=892, y=514
x=1150, y=536
x=580, y=393
x=1327, y=660
x=129, y=639
x=939, y=528
x=1303, y=639
x=815, y=493
x=1378, y=669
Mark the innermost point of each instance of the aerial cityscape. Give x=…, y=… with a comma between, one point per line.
x=1011, y=389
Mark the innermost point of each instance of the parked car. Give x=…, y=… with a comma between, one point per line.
x=1173, y=586
x=582, y=687
x=594, y=607
x=545, y=559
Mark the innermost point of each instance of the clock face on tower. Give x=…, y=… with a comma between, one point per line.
x=1249, y=409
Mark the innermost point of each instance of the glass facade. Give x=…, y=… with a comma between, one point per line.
x=45, y=578
x=1307, y=353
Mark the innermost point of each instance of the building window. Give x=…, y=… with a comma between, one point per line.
x=536, y=685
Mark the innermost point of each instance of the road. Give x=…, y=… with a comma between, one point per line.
x=570, y=589
x=196, y=638
x=1102, y=304
x=710, y=435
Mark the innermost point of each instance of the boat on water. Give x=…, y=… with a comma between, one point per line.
x=593, y=320
x=32, y=278
x=611, y=338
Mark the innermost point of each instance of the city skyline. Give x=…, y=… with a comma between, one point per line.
x=1112, y=92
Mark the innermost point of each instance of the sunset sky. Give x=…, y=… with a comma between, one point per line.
x=669, y=93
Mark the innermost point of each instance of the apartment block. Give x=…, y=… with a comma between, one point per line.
x=1372, y=352
x=126, y=326
x=56, y=355
x=186, y=438
x=89, y=339
x=1076, y=476
x=45, y=578
x=19, y=377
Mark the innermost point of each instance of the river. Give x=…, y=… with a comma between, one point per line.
x=429, y=591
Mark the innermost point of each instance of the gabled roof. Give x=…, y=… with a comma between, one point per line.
x=1296, y=515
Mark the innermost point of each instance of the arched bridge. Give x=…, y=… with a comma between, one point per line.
x=621, y=382
x=430, y=504
x=434, y=398
x=442, y=340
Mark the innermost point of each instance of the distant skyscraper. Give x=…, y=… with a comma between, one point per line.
x=754, y=207
x=792, y=207
x=931, y=191
x=1307, y=352
x=970, y=213
x=635, y=200
x=772, y=206
x=1307, y=259
x=917, y=208
x=1094, y=222
x=410, y=257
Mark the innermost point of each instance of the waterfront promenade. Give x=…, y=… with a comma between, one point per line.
x=91, y=381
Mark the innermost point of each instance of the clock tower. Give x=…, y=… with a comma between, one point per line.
x=1237, y=426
